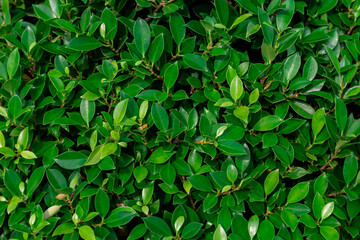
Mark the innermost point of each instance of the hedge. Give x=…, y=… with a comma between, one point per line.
x=179, y=119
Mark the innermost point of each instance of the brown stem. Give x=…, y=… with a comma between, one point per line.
x=336, y=193
x=327, y=163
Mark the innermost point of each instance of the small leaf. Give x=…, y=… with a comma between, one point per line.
x=87, y=110
x=271, y=181
x=334, y=60
x=71, y=160
x=84, y=44
x=156, y=48
x=220, y=233
x=12, y=182
x=268, y=123
x=13, y=63
x=160, y=117
x=298, y=192
x=236, y=88
x=232, y=173
x=102, y=203
x=157, y=226
x=253, y=226
x=119, y=111
x=350, y=168
x=340, y=114
x=327, y=210
x=171, y=75
x=329, y=233
x=142, y=36
x=318, y=121
x=160, y=156
x=266, y=230
x=87, y=233
x=201, y=183
x=195, y=61
x=177, y=28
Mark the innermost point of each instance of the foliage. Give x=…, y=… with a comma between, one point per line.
x=179, y=119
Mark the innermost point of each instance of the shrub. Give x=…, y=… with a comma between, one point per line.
x=179, y=119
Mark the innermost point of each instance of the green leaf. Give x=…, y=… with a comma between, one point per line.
x=28, y=154
x=327, y=210
x=142, y=36
x=12, y=182
x=95, y=156
x=232, y=173
x=84, y=44
x=326, y=5
x=284, y=16
x=110, y=21
x=87, y=233
x=35, y=180
x=120, y=216
x=156, y=48
x=119, y=111
x=253, y=226
x=268, y=123
x=56, y=179
x=137, y=232
x=350, y=168
x=210, y=201
x=290, y=219
x=340, y=114
x=271, y=181
x=270, y=139
x=222, y=10
x=220, y=233
x=44, y=12
x=329, y=233
x=140, y=173
x=310, y=69
x=266, y=230
x=102, y=203
x=28, y=38
x=15, y=107
x=303, y=109
x=201, y=183
x=318, y=121
x=160, y=117
x=71, y=160
x=7, y=152
x=268, y=52
x=232, y=148
x=195, y=61
x=85, y=19
x=334, y=60
x=171, y=75
x=298, y=192
x=64, y=228
x=23, y=139
x=190, y=230
x=168, y=174
x=242, y=113
x=157, y=226
x=177, y=28
x=87, y=110
x=254, y=96
x=160, y=156
x=291, y=67
x=236, y=88
x=321, y=184
x=52, y=115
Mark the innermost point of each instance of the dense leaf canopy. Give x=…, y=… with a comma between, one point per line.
x=179, y=119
